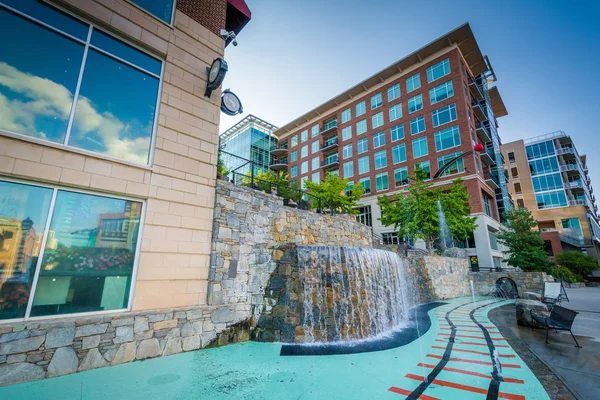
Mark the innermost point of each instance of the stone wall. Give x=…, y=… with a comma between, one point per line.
x=38, y=350
x=485, y=282
x=436, y=277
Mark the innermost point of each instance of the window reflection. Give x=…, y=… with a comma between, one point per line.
x=23, y=215
x=162, y=9
x=89, y=255
x=124, y=51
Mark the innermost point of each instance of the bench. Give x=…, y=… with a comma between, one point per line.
x=560, y=319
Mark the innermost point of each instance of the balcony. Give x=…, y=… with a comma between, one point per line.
x=483, y=132
x=331, y=161
x=577, y=202
x=569, y=167
x=476, y=89
x=279, y=164
x=574, y=185
x=567, y=235
x=479, y=110
x=487, y=156
x=329, y=126
x=565, y=150
x=279, y=151
x=330, y=144
x=491, y=178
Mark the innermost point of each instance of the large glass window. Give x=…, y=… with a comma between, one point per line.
x=347, y=132
x=425, y=167
x=539, y=150
x=397, y=132
x=543, y=166
x=417, y=125
x=378, y=140
x=376, y=101
x=381, y=181
x=366, y=184
x=438, y=70
x=547, y=182
x=303, y=136
x=363, y=165
x=447, y=138
x=348, y=169
x=419, y=147
x=415, y=103
x=347, y=151
x=552, y=199
x=346, y=115
x=380, y=159
x=293, y=171
x=361, y=108
x=456, y=167
x=377, y=120
x=113, y=112
x=364, y=213
x=304, y=167
x=304, y=151
x=361, y=127
x=314, y=131
x=393, y=92
x=399, y=153
x=315, y=163
x=396, y=112
x=316, y=177
x=162, y=9
x=413, y=83
x=314, y=147
x=362, y=145
x=294, y=141
x=444, y=115
x=294, y=155
x=401, y=176
x=441, y=92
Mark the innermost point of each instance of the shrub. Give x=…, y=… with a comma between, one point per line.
x=562, y=273
x=580, y=264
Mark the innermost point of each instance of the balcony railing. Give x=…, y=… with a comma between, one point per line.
x=567, y=235
x=483, y=132
x=329, y=126
x=329, y=143
x=569, y=167
x=574, y=185
x=281, y=163
x=491, y=178
x=279, y=150
x=565, y=150
x=476, y=89
x=331, y=160
x=479, y=110
x=487, y=156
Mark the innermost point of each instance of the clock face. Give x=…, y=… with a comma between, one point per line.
x=214, y=70
x=231, y=102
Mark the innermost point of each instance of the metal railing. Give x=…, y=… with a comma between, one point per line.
x=565, y=150
x=329, y=143
x=329, y=125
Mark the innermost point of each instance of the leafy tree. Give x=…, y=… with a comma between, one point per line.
x=526, y=248
x=578, y=262
x=269, y=180
x=332, y=192
x=414, y=214
x=562, y=273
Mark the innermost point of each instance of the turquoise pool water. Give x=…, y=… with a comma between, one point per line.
x=256, y=370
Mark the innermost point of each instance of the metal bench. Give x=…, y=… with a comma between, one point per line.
x=560, y=319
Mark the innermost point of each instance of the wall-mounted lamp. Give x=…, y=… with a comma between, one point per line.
x=230, y=103
x=216, y=73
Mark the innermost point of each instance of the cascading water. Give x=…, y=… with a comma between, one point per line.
x=351, y=293
x=445, y=235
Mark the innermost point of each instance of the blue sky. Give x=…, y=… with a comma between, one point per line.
x=294, y=55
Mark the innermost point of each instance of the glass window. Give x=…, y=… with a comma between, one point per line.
x=456, y=167
x=487, y=205
x=303, y=136
x=347, y=151
x=378, y=140
x=349, y=189
x=413, y=83
x=393, y=92
x=376, y=101
x=294, y=140
x=348, y=169
x=294, y=155
x=362, y=145
x=361, y=108
x=162, y=9
x=125, y=51
x=438, y=70
x=316, y=177
x=304, y=167
x=364, y=213
x=396, y=112
x=293, y=171
x=417, y=125
x=315, y=163
x=361, y=127
x=511, y=157
x=424, y=165
x=552, y=199
x=377, y=120
x=441, y=92
x=330, y=123
x=347, y=132
x=380, y=159
x=89, y=254
x=543, y=166
x=333, y=172
x=539, y=150
x=447, y=138
x=382, y=181
x=399, y=153
x=314, y=131
x=419, y=147
x=314, y=147
x=346, y=115
x=547, y=182
x=401, y=176
x=444, y=115
x=304, y=151
x=415, y=103
x=397, y=132
x=366, y=184
x=363, y=165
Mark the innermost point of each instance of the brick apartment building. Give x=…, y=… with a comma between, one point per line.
x=550, y=178
x=108, y=153
x=424, y=109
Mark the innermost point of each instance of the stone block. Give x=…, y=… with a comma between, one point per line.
x=168, y=324
x=126, y=353
x=531, y=296
x=21, y=345
x=123, y=334
x=173, y=346
x=9, y=337
x=91, y=329
x=92, y=360
x=196, y=314
x=60, y=337
x=90, y=342
x=140, y=325
x=64, y=361
x=19, y=373
x=222, y=315
x=208, y=337
x=109, y=354
x=144, y=335
x=523, y=308
x=121, y=322
x=147, y=349
x=191, y=343
x=16, y=358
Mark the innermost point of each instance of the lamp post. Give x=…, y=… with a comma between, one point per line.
x=478, y=148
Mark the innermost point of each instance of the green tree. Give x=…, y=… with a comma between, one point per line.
x=414, y=214
x=562, y=273
x=269, y=180
x=221, y=169
x=525, y=245
x=580, y=264
x=332, y=192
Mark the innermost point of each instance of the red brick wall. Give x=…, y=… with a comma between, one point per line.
x=209, y=13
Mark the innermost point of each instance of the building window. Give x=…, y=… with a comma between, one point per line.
x=518, y=188
x=511, y=157
x=399, y=153
x=348, y=169
x=361, y=127
x=393, y=92
x=314, y=131
x=520, y=203
x=417, y=125
x=293, y=171
x=396, y=112
x=397, y=132
x=381, y=181
x=380, y=159
x=401, y=176
x=413, y=83
x=366, y=184
x=478, y=165
x=38, y=91
x=487, y=205
x=572, y=224
x=419, y=147
x=304, y=151
x=162, y=9
x=314, y=147
x=304, y=167
x=543, y=166
x=444, y=115
x=333, y=172
x=363, y=165
x=347, y=151
x=514, y=171
x=315, y=163
x=447, y=138
x=466, y=91
x=346, y=115
x=349, y=189
x=378, y=140
x=539, y=150
x=362, y=145
x=88, y=258
x=415, y=103
x=426, y=168
x=330, y=123
x=347, y=132
x=493, y=242
x=456, y=167
x=438, y=70
x=547, y=182
x=551, y=199
x=361, y=108
x=377, y=120
x=441, y=92
x=390, y=238
x=303, y=136
x=376, y=101
x=364, y=215
x=294, y=141
x=294, y=155
x=316, y=177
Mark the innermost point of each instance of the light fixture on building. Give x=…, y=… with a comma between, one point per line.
x=230, y=103
x=216, y=73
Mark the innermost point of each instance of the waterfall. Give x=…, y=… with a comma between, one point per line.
x=445, y=235
x=350, y=293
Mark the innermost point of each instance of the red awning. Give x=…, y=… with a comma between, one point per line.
x=241, y=6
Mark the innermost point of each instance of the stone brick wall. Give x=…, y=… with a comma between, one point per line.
x=484, y=282
x=38, y=350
